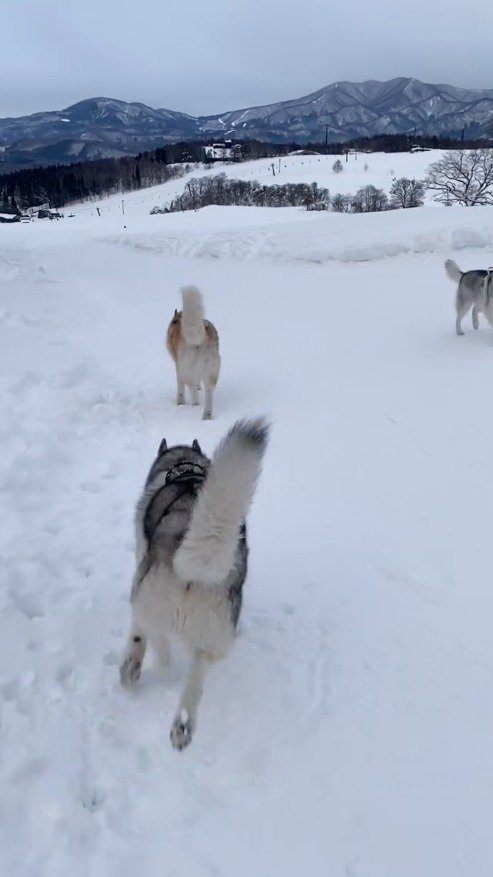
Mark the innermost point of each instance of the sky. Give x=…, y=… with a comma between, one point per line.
x=208, y=56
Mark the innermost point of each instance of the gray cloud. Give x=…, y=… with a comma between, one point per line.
x=208, y=56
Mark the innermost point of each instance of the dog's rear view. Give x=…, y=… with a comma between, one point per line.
x=192, y=557
x=471, y=293
x=193, y=343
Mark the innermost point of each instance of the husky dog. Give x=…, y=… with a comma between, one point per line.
x=193, y=344
x=192, y=557
x=473, y=290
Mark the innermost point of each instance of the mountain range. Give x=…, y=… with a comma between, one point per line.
x=103, y=127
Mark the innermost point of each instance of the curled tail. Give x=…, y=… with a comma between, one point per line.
x=452, y=270
x=207, y=552
x=192, y=321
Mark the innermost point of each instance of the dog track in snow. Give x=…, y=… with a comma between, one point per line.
x=305, y=673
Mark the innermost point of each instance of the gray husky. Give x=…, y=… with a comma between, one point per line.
x=192, y=557
x=473, y=290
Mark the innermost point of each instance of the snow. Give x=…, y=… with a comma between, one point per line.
x=382, y=168
x=349, y=732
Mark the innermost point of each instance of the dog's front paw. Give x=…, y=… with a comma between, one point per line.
x=207, y=415
x=181, y=731
x=130, y=671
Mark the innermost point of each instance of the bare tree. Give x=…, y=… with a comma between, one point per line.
x=366, y=168
x=369, y=199
x=337, y=166
x=462, y=177
x=341, y=203
x=219, y=189
x=406, y=193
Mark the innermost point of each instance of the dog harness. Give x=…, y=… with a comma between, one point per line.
x=185, y=477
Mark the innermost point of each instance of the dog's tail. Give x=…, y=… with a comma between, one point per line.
x=452, y=270
x=207, y=552
x=192, y=321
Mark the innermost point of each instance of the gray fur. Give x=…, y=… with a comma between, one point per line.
x=163, y=604
x=472, y=292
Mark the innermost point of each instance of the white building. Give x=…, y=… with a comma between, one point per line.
x=224, y=151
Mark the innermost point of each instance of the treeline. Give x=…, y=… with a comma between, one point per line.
x=220, y=190
x=401, y=143
x=226, y=192
x=59, y=185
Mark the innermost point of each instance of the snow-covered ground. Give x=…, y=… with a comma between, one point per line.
x=381, y=169
x=350, y=730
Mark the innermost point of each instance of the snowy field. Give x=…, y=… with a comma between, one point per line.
x=382, y=168
x=350, y=731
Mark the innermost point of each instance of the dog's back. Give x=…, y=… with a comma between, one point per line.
x=189, y=327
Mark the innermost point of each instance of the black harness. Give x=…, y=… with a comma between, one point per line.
x=184, y=478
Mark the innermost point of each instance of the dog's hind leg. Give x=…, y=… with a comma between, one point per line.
x=185, y=720
x=134, y=655
x=180, y=389
x=475, y=318
x=209, y=392
x=462, y=309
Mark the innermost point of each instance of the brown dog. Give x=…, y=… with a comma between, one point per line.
x=193, y=344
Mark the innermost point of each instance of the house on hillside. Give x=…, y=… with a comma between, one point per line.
x=225, y=151
x=48, y=213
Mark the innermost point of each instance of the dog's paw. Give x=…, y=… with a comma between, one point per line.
x=130, y=671
x=207, y=415
x=181, y=731
x=180, y=400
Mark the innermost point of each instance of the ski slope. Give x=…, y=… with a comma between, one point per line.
x=382, y=168
x=349, y=732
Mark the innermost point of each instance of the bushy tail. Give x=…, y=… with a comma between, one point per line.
x=207, y=552
x=192, y=322
x=452, y=270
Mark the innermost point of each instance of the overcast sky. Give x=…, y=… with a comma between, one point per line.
x=208, y=56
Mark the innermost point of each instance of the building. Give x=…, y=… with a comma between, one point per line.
x=9, y=214
x=225, y=151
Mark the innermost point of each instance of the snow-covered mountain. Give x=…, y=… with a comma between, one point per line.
x=103, y=127
x=95, y=128
x=355, y=109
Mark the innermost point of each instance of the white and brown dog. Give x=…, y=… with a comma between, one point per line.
x=193, y=343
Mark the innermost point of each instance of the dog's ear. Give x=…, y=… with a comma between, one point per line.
x=163, y=447
x=176, y=313
x=196, y=446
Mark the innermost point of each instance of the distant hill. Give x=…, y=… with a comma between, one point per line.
x=103, y=127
